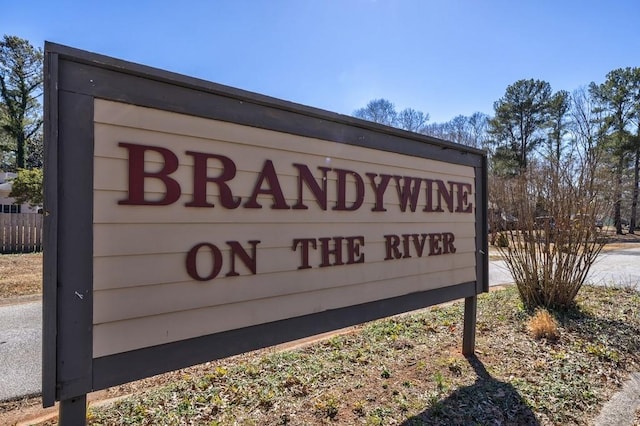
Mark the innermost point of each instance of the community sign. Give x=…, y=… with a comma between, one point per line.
x=187, y=221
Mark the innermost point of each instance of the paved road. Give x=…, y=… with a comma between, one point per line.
x=20, y=349
x=21, y=335
x=617, y=267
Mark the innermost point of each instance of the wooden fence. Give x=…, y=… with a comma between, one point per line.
x=20, y=232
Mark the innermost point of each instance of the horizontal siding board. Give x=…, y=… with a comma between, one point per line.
x=133, y=334
x=167, y=238
x=115, y=304
x=111, y=175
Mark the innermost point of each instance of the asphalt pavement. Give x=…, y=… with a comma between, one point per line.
x=619, y=268
x=20, y=350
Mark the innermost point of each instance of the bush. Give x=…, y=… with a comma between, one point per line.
x=557, y=240
x=27, y=187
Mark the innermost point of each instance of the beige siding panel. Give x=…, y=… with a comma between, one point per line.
x=115, y=305
x=143, y=295
x=138, y=333
x=111, y=183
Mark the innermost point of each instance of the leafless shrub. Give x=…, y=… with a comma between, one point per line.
x=550, y=216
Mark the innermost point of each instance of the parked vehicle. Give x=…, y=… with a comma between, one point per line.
x=503, y=222
x=585, y=220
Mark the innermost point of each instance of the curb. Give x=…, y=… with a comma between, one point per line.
x=622, y=408
x=17, y=300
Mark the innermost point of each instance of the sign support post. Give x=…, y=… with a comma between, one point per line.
x=73, y=411
x=469, y=330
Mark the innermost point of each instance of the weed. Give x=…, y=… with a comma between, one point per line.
x=440, y=381
x=455, y=366
x=327, y=408
x=359, y=408
x=378, y=415
x=266, y=398
x=385, y=374
x=603, y=352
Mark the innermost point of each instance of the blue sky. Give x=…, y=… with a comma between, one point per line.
x=444, y=57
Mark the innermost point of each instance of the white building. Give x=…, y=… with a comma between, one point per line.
x=6, y=202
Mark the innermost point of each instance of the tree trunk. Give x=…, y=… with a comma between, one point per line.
x=20, y=142
x=634, y=202
x=618, y=196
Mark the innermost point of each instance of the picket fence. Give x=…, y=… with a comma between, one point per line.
x=20, y=232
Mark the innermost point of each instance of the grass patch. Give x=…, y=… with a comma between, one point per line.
x=20, y=274
x=408, y=370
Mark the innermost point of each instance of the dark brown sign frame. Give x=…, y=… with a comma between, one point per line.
x=73, y=79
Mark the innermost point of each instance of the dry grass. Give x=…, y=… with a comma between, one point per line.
x=20, y=275
x=543, y=325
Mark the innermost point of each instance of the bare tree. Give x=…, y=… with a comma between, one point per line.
x=412, y=120
x=379, y=111
x=478, y=126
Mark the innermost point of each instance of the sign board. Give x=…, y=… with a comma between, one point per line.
x=188, y=221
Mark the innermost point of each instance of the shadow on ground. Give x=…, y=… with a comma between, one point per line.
x=609, y=339
x=487, y=401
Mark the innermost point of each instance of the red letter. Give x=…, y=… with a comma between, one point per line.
x=446, y=194
x=447, y=241
x=305, y=242
x=192, y=268
x=341, y=203
x=304, y=175
x=464, y=206
x=428, y=206
x=249, y=261
x=418, y=243
x=268, y=173
x=406, y=239
x=325, y=251
x=379, y=190
x=409, y=191
x=353, y=250
x=137, y=175
x=434, y=244
x=391, y=243
x=200, y=180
